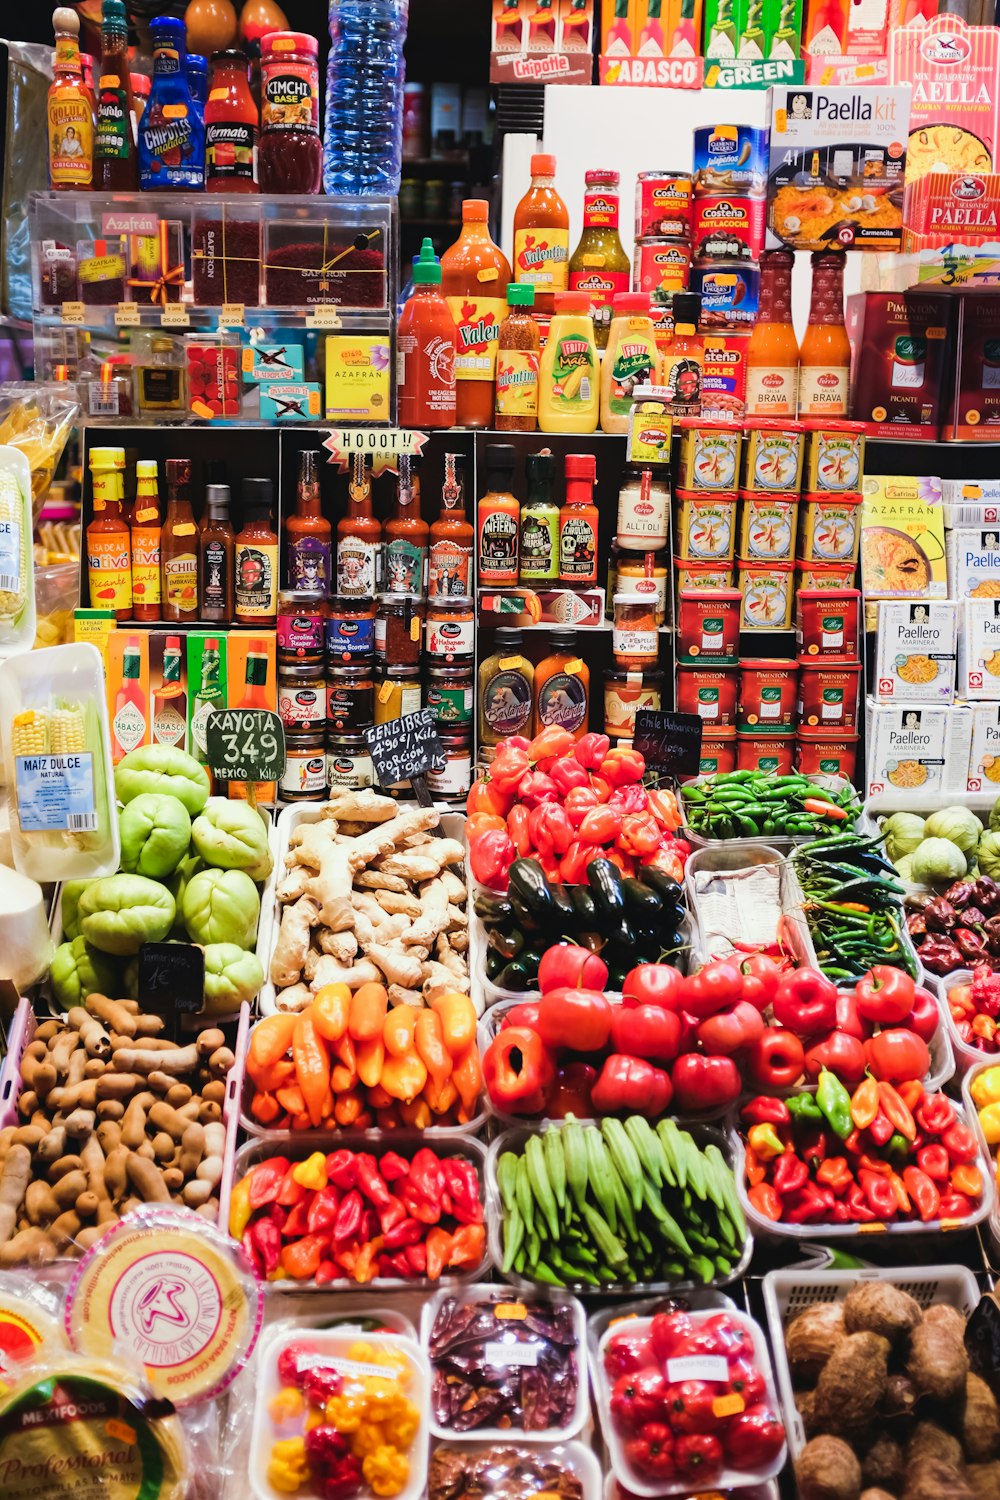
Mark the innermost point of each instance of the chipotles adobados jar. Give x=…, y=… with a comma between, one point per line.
x=827, y=622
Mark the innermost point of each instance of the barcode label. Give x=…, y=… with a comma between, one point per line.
x=82, y=822
x=103, y=405
x=9, y=583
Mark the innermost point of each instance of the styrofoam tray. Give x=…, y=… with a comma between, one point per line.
x=575, y=1457
x=406, y=1142
x=491, y=1292
x=729, y=1478
x=788, y=1292
x=827, y=1231
x=514, y=1138
x=783, y=842
x=335, y=1343
x=452, y=826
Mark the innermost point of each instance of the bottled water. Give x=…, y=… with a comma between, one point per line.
x=362, y=145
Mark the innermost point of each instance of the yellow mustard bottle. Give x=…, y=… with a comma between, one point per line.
x=569, y=386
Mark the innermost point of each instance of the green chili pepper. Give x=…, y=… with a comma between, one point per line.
x=804, y=1107
x=835, y=1103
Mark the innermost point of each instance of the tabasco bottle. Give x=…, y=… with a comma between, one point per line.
x=116, y=161
x=128, y=721
x=179, y=546
x=599, y=265
x=216, y=558
x=70, y=110
x=359, y=535
x=231, y=122
x=426, y=341
x=474, y=277
x=145, y=529
x=452, y=538
x=578, y=521
x=541, y=236
x=498, y=518
x=256, y=557
x=210, y=698
x=825, y=370
x=405, y=537
x=109, y=560
x=170, y=699
x=773, y=349
x=308, y=535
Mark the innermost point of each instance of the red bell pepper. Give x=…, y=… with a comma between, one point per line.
x=776, y=1060
x=731, y=1030
x=704, y=1083
x=645, y=1031
x=842, y=1054
x=898, y=1055
x=654, y=984
x=714, y=987
x=525, y=1014
x=805, y=1002
x=568, y=773
x=579, y=1020
x=848, y=1018
x=590, y=750
x=518, y=1071
x=637, y=1398
x=631, y=1085
x=568, y=965
x=925, y=1017
x=885, y=995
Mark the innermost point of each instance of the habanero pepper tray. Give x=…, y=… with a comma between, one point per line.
x=787, y=1293
x=968, y=1060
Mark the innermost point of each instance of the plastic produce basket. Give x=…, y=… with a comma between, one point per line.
x=742, y=854
x=784, y=842
x=789, y=1292
x=545, y=1297
x=514, y=1139
x=966, y=1058
x=729, y=1478
x=452, y=826
x=406, y=1142
x=973, y=1113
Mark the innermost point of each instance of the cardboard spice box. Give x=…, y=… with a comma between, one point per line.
x=900, y=345
x=915, y=659
x=974, y=407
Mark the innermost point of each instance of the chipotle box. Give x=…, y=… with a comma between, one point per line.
x=974, y=409
x=900, y=346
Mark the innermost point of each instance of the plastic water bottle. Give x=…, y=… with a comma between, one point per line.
x=362, y=144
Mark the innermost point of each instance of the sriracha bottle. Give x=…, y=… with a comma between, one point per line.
x=426, y=341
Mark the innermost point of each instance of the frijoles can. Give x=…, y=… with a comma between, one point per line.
x=663, y=205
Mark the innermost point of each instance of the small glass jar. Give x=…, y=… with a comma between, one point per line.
x=644, y=573
x=634, y=639
x=304, y=777
x=300, y=629
x=624, y=694
x=301, y=698
x=397, y=692
x=450, y=632
x=349, y=629
x=158, y=365
x=350, y=699
x=643, y=511
x=449, y=693
x=348, y=762
x=398, y=627
x=452, y=781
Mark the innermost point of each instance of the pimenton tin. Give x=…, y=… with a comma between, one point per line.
x=710, y=455
x=824, y=752
x=835, y=455
x=827, y=622
x=706, y=526
x=828, y=694
x=661, y=265
x=771, y=754
x=718, y=752
x=767, y=525
x=830, y=528
x=767, y=693
x=728, y=227
x=663, y=205
x=710, y=692
x=772, y=457
x=708, y=624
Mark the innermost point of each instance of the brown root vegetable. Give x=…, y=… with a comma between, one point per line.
x=877, y=1307
x=883, y=1464
x=13, y=1181
x=937, y=1362
x=805, y=1402
x=811, y=1338
x=928, y=1440
x=876, y=1494
x=852, y=1383
x=980, y=1421
x=984, y=1480
x=827, y=1469
x=899, y=1399
x=932, y=1479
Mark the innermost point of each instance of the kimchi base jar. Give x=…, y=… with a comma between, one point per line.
x=708, y=624
x=767, y=693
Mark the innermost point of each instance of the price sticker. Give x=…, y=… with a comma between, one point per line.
x=405, y=749
x=231, y=315
x=127, y=315
x=73, y=313
x=172, y=981
x=669, y=742
x=174, y=316
x=323, y=317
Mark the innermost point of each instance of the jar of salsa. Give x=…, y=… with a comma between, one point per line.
x=301, y=698
x=348, y=762
x=449, y=693
x=350, y=699
x=304, y=776
x=451, y=781
x=290, y=152
x=450, y=631
x=624, y=694
x=397, y=692
x=349, y=631
x=634, y=641
x=300, y=629
x=398, y=626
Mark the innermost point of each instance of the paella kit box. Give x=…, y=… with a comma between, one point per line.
x=918, y=747
x=902, y=538
x=954, y=71
x=900, y=348
x=971, y=502
x=836, y=167
x=979, y=649
x=973, y=556
x=984, y=754
x=915, y=657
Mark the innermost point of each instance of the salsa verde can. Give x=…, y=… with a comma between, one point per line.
x=663, y=204
x=661, y=265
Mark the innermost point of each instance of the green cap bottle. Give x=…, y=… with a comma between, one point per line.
x=427, y=267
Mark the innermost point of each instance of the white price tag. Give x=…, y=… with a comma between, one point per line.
x=231, y=315
x=323, y=317
x=127, y=315
x=500, y=1353
x=73, y=312
x=174, y=315
x=697, y=1367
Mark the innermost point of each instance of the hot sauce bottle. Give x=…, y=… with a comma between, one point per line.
x=452, y=538
x=562, y=687
x=773, y=349
x=230, y=126
x=216, y=550
x=70, y=110
x=116, y=162
x=179, y=546
x=578, y=521
x=685, y=357
x=405, y=536
x=359, y=535
x=825, y=371
x=172, y=132
x=499, y=518
x=474, y=277
x=170, y=699
x=541, y=236
x=145, y=529
x=540, y=522
x=308, y=535
x=128, y=721
x=256, y=557
x=518, y=358
x=599, y=265
x=109, y=565
x=426, y=343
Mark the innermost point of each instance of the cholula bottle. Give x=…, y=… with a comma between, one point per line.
x=172, y=131
x=70, y=110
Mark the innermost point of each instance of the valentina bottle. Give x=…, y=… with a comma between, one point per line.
x=116, y=163
x=405, y=537
x=599, y=265
x=518, y=357
x=70, y=110
x=109, y=570
x=145, y=530
x=172, y=130
x=825, y=370
x=540, y=522
x=498, y=518
x=474, y=277
x=426, y=345
x=772, y=349
x=541, y=236
x=256, y=557
x=452, y=538
x=308, y=535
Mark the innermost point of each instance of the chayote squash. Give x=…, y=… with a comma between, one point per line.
x=221, y=906
x=163, y=769
x=121, y=912
x=78, y=970
x=231, y=835
x=71, y=892
x=232, y=975
x=155, y=834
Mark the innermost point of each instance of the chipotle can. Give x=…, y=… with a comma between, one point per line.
x=772, y=458
x=821, y=752
x=718, y=752
x=769, y=754
x=835, y=455
x=728, y=227
x=661, y=265
x=827, y=622
x=710, y=692
x=767, y=693
x=828, y=694
x=708, y=624
x=663, y=205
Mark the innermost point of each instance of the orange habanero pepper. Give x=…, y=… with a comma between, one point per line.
x=330, y=1010
x=428, y=1036
x=269, y=1041
x=398, y=1030
x=369, y=1059
x=458, y=1020
x=367, y=1014
x=312, y=1065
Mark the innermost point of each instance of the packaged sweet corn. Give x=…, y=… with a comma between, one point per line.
x=17, y=600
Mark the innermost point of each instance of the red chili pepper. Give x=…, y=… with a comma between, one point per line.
x=878, y=1194
x=622, y=766
x=631, y=1085
x=790, y=1174
x=765, y=1110
x=955, y=1206
x=960, y=1143
x=370, y=1180
x=834, y=1173
x=394, y=1168
x=342, y=1168
x=508, y=769
x=933, y=1160
x=578, y=803
x=266, y=1180
x=640, y=833
x=408, y=1231
x=322, y=1212
x=550, y=829
x=864, y=1103
x=262, y=1243
x=880, y=1129
x=568, y=773
x=348, y=1220
x=896, y=1111
x=898, y=1188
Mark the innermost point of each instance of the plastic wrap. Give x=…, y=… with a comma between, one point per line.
x=25, y=158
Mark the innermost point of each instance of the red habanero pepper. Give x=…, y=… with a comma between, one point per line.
x=508, y=769
x=342, y=1169
x=536, y=787
x=638, y=1397
x=790, y=1174
x=935, y=1114
x=698, y=1456
x=322, y=1212
x=407, y=1232
x=600, y=826
x=393, y=1213
x=923, y=1193
x=591, y=749
x=297, y=1222
x=878, y=1194
x=933, y=1160
x=567, y=773
x=578, y=803
x=550, y=742
x=857, y=1207
x=880, y=1129
x=885, y=995
x=968, y=1180
x=765, y=1110
x=266, y=1180
x=292, y=1191
x=651, y=1451
x=371, y=1181
x=689, y=1406
x=416, y=1259
x=463, y=1188
x=835, y=1174
x=517, y=829
x=550, y=829
x=622, y=765
x=640, y=833
x=491, y=854
x=896, y=1111
x=955, y=1206
x=394, y=1168
x=766, y=1201
x=960, y=1143
x=262, y=1244
x=632, y=799
x=806, y=1206
x=667, y=1332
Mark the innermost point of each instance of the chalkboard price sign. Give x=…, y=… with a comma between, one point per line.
x=171, y=980
x=668, y=742
x=245, y=744
x=405, y=749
